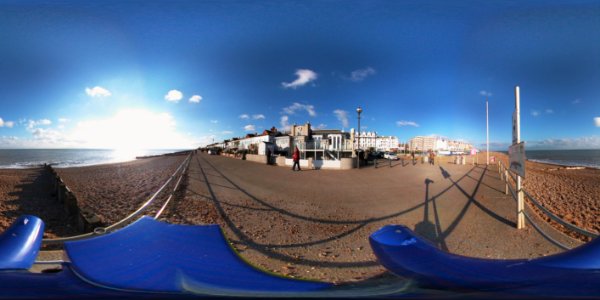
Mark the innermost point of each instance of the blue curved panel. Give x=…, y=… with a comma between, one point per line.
x=154, y=256
x=20, y=243
x=405, y=254
x=64, y=284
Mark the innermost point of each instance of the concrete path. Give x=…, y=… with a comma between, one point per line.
x=315, y=223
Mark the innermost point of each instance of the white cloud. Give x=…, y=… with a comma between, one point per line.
x=304, y=76
x=361, y=74
x=31, y=124
x=342, y=116
x=227, y=132
x=258, y=117
x=321, y=126
x=1, y=122
x=406, y=123
x=195, y=99
x=214, y=121
x=597, y=121
x=174, y=96
x=485, y=93
x=249, y=128
x=284, y=122
x=576, y=101
x=535, y=113
x=9, y=124
x=589, y=142
x=290, y=110
x=63, y=120
x=244, y=116
x=549, y=111
x=97, y=91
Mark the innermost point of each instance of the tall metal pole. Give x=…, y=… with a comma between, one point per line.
x=520, y=196
x=358, y=110
x=487, y=133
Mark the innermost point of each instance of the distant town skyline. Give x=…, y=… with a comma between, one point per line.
x=117, y=74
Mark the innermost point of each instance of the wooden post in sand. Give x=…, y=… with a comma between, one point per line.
x=506, y=182
x=517, y=133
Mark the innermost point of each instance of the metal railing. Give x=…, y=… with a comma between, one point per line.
x=181, y=170
x=505, y=174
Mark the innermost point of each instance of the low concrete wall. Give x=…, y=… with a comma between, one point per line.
x=257, y=158
x=290, y=162
x=280, y=160
x=328, y=164
x=86, y=219
x=347, y=163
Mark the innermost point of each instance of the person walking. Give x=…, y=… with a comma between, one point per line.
x=431, y=158
x=296, y=159
x=268, y=154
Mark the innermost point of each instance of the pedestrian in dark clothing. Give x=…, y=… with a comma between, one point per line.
x=296, y=159
x=268, y=156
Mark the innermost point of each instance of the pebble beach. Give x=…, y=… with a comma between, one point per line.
x=261, y=231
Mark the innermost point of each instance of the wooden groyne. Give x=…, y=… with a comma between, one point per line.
x=85, y=219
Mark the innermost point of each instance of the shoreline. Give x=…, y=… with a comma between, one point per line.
x=570, y=192
x=564, y=166
x=37, y=165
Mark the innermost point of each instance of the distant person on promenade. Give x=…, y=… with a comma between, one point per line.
x=431, y=158
x=296, y=159
x=268, y=156
x=413, y=157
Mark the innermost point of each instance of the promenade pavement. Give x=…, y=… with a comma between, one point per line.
x=316, y=223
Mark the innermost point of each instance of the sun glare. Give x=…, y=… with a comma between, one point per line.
x=131, y=130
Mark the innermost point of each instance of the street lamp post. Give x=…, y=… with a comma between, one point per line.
x=487, y=133
x=358, y=110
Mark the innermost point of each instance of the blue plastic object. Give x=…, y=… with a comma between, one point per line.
x=64, y=284
x=571, y=273
x=153, y=256
x=20, y=243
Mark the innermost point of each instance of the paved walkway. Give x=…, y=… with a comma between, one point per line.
x=315, y=224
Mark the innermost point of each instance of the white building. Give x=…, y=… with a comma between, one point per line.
x=437, y=143
x=254, y=140
x=366, y=140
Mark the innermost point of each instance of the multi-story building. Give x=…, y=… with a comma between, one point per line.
x=366, y=140
x=436, y=143
x=387, y=143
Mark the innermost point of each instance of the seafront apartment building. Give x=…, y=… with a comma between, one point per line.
x=436, y=143
x=307, y=139
x=366, y=140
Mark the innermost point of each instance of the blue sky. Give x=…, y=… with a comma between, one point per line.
x=178, y=74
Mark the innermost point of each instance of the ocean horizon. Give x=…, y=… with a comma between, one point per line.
x=64, y=158
x=589, y=158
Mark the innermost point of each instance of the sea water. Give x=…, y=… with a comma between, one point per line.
x=27, y=158
x=580, y=158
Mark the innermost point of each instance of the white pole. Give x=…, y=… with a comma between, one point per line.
x=487, y=133
x=520, y=198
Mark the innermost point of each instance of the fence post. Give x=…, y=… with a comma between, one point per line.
x=506, y=182
x=520, y=204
